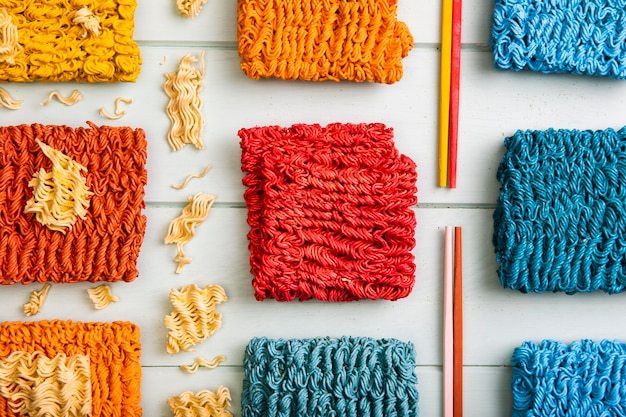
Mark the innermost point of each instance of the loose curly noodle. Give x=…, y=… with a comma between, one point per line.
x=38, y=386
x=36, y=300
x=119, y=113
x=68, y=101
x=184, y=108
x=89, y=21
x=203, y=404
x=202, y=362
x=9, y=45
x=193, y=318
x=189, y=8
x=60, y=196
x=7, y=101
x=182, y=229
x=101, y=296
x=190, y=177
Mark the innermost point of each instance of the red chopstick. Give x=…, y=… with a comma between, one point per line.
x=455, y=81
x=458, y=323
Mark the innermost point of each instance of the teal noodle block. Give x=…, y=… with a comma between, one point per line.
x=560, y=36
x=347, y=376
x=583, y=379
x=560, y=218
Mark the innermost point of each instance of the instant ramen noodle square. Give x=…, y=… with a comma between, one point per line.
x=559, y=223
x=330, y=212
x=64, y=40
x=324, y=376
x=547, y=36
x=113, y=350
x=319, y=40
x=105, y=245
x=582, y=378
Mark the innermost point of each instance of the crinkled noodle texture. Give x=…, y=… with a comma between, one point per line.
x=189, y=8
x=36, y=300
x=182, y=229
x=357, y=40
x=40, y=386
x=194, y=317
x=202, y=362
x=101, y=296
x=70, y=100
x=105, y=245
x=111, y=368
x=346, y=376
x=9, y=42
x=60, y=196
x=185, y=106
x=9, y=102
x=330, y=212
x=203, y=404
x=564, y=36
x=585, y=378
x=65, y=40
x=560, y=218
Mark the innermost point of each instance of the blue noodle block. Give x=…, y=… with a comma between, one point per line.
x=584, y=379
x=348, y=376
x=561, y=36
x=560, y=219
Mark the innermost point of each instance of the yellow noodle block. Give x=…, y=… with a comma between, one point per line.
x=203, y=404
x=194, y=317
x=38, y=386
x=184, y=108
x=182, y=229
x=68, y=40
x=60, y=196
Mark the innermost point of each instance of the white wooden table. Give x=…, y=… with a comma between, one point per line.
x=493, y=105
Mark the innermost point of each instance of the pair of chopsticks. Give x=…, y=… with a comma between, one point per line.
x=453, y=324
x=451, y=15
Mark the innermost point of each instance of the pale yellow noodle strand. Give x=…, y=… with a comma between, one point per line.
x=68, y=101
x=189, y=8
x=89, y=21
x=60, y=196
x=181, y=230
x=191, y=176
x=118, y=112
x=194, y=317
x=202, y=362
x=116, y=116
x=7, y=101
x=101, y=296
x=184, y=108
x=9, y=45
x=36, y=300
x=203, y=404
x=120, y=100
x=38, y=386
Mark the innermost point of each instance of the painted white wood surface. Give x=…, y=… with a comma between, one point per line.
x=493, y=105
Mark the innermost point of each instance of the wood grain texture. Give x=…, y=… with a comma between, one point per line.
x=493, y=104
